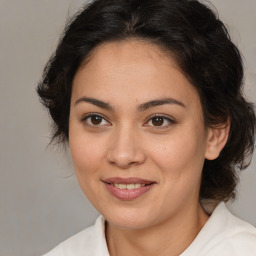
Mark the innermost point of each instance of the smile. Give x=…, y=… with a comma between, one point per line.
x=128, y=188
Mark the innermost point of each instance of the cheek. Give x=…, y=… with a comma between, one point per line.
x=87, y=154
x=87, y=158
x=182, y=154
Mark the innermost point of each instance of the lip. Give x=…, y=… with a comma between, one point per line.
x=129, y=180
x=128, y=194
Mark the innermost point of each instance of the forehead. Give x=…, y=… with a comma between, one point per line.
x=131, y=53
x=131, y=69
x=139, y=48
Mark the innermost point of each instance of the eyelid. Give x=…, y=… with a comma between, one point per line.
x=88, y=115
x=171, y=120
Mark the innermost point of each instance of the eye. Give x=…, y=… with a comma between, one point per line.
x=95, y=120
x=159, y=121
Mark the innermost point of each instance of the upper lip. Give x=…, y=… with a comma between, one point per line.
x=130, y=180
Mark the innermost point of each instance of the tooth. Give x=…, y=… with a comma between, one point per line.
x=116, y=185
x=122, y=186
x=138, y=185
x=131, y=186
x=128, y=186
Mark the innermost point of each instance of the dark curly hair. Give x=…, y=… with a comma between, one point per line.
x=202, y=48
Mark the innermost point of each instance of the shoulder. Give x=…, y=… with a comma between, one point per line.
x=237, y=237
x=88, y=242
x=225, y=235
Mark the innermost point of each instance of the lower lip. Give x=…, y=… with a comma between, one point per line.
x=128, y=194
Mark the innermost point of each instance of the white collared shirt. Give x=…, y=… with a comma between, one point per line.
x=222, y=235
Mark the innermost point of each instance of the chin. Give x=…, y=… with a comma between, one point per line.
x=130, y=219
x=128, y=224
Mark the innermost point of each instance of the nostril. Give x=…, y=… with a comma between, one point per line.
x=125, y=155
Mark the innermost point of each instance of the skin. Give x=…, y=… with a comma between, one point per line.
x=127, y=143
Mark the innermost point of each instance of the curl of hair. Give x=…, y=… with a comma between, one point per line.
x=202, y=48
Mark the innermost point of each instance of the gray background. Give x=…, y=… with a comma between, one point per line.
x=40, y=201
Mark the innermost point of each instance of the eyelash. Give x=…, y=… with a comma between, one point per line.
x=88, y=116
x=170, y=121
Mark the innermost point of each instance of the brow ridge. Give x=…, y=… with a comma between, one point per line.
x=159, y=102
x=95, y=102
x=141, y=107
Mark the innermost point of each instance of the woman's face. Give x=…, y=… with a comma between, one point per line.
x=136, y=134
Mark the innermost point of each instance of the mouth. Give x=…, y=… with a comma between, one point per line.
x=128, y=188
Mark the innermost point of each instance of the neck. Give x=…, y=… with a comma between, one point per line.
x=170, y=237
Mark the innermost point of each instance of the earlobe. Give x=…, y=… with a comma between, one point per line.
x=216, y=140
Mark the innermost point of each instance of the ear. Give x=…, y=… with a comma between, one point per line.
x=216, y=140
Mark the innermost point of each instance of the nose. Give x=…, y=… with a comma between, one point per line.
x=125, y=149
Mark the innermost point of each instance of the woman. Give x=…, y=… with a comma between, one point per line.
x=148, y=95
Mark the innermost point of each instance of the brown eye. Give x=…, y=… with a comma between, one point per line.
x=95, y=120
x=160, y=121
x=157, y=121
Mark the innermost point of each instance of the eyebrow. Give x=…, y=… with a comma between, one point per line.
x=141, y=107
x=95, y=102
x=160, y=102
